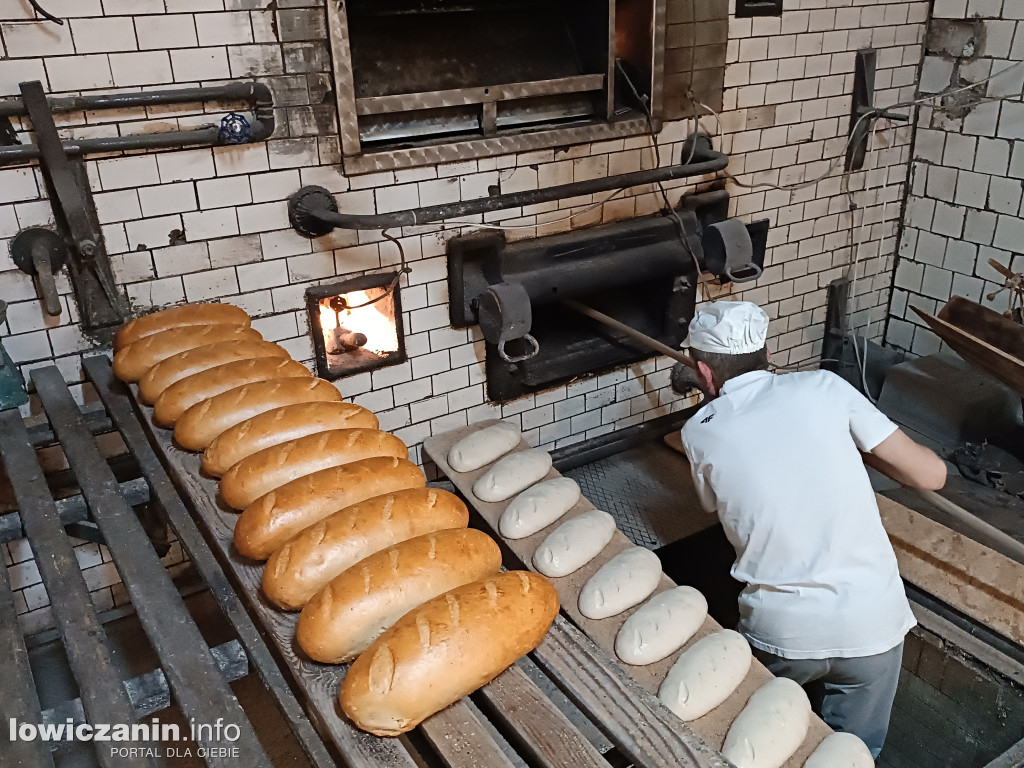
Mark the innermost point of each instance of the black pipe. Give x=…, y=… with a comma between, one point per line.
x=313, y=211
x=257, y=94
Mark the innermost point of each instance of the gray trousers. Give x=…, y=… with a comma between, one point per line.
x=851, y=695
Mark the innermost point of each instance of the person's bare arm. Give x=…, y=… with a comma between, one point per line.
x=907, y=462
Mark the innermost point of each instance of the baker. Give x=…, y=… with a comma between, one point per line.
x=780, y=459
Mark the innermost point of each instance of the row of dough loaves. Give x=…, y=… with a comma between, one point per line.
x=384, y=569
x=775, y=720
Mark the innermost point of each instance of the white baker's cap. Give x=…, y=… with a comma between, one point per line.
x=728, y=328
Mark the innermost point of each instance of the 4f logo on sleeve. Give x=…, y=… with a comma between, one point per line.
x=707, y=418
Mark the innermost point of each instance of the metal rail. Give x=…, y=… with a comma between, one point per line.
x=313, y=211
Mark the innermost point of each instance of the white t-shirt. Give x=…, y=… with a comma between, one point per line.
x=776, y=457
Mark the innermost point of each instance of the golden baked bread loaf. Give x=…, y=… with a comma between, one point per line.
x=185, y=393
x=133, y=361
x=193, y=361
x=280, y=426
x=343, y=618
x=307, y=562
x=446, y=649
x=197, y=427
x=272, y=519
x=176, y=317
x=271, y=468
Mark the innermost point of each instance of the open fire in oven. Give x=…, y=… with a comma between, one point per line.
x=356, y=325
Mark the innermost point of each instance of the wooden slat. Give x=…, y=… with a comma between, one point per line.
x=198, y=686
x=634, y=719
x=459, y=737
x=534, y=725
x=103, y=696
x=714, y=726
x=317, y=683
x=116, y=399
x=19, y=701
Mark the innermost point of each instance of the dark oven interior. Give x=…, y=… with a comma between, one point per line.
x=442, y=69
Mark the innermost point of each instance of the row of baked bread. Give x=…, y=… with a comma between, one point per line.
x=774, y=722
x=384, y=569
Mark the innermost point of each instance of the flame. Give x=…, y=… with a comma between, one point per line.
x=373, y=320
x=328, y=318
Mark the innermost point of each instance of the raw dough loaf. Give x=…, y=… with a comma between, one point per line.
x=574, y=543
x=538, y=507
x=662, y=626
x=186, y=392
x=512, y=474
x=195, y=361
x=343, y=618
x=771, y=727
x=273, y=519
x=201, y=424
x=279, y=426
x=135, y=360
x=706, y=674
x=304, y=565
x=271, y=468
x=484, y=446
x=446, y=649
x=626, y=580
x=176, y=317
x=841, y=750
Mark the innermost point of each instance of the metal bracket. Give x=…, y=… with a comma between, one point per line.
x=303, y=203
x=712, y=207
x=864, y=114
x=68, y=188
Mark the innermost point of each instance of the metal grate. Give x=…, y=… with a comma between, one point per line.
x=648, y=491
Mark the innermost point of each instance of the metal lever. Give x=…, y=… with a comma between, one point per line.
x=41, y=253
x=47, y=285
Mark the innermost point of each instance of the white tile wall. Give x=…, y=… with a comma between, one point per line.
x=964, y=206
x=785, y=119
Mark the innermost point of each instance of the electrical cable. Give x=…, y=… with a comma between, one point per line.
x=404, y=270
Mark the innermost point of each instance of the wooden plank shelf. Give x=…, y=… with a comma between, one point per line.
x=710, y=729
x=509, y=722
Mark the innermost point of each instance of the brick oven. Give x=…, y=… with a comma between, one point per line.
x=409, y=197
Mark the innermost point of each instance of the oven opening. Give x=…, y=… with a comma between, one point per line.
x=356, y=325
x=444, y=70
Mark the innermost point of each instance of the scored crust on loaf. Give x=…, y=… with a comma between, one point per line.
x=133, y=361
x=273, y=467
x=191, y=390
x=348, y=614
x=201, y=424
x=446, y=649
x=186, y=315
x=273, y=519
x=321, y=552
x=197, y=360
x=280, y=425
